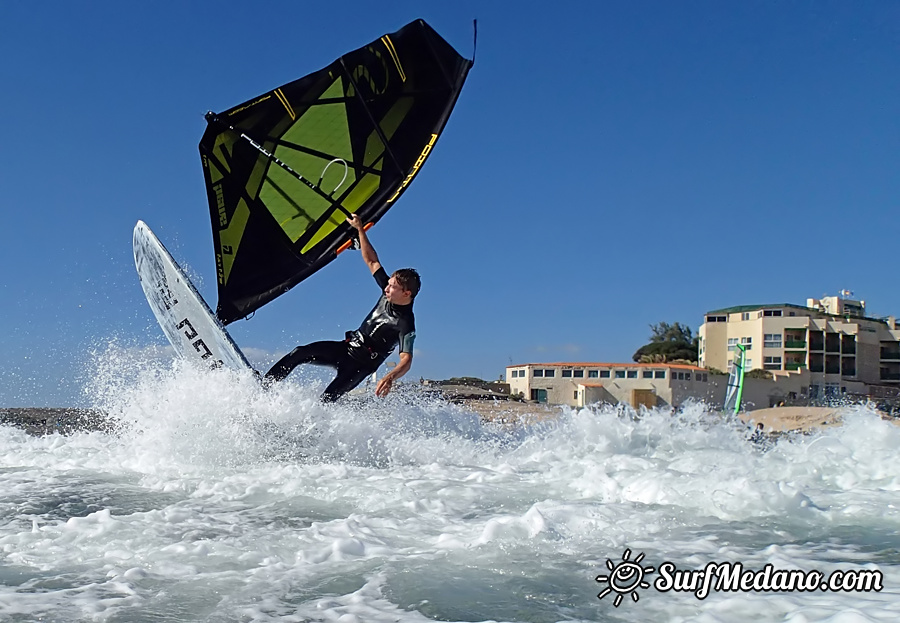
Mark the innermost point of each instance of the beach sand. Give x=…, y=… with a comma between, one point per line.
x=785, y=419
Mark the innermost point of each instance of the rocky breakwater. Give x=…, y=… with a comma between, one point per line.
x=49, y=420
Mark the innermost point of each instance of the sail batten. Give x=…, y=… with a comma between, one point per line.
x=284, y=169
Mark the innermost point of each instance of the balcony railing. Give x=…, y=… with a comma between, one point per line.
x=890, y=376
x=794, y=344
x=890, y=354
x=794, y=366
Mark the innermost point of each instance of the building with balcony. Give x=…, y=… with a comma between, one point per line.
x=830, y=344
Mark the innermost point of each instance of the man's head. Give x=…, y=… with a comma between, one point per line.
x=403, y=286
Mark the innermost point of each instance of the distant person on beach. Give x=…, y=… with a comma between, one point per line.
x=390, y=322
x=759, y=434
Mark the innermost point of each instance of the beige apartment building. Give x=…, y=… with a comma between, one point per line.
x=582, y=384
x=827, y=348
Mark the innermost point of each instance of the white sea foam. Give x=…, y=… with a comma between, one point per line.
x=217, y=501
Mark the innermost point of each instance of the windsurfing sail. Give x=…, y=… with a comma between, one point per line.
x=735, y=388
x=284, y=169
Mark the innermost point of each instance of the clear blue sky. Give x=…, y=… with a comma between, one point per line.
x=609, y=165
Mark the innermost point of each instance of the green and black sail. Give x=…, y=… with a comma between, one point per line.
x=283, y=170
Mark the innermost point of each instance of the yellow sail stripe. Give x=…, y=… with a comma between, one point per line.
x=421, y=159
x=393, y=52
x=286, y=104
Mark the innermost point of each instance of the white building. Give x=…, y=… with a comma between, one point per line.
x=580, y=384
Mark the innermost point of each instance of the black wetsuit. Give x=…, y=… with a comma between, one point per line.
x=363, y=350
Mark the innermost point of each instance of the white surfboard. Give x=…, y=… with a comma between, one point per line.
x=185, y=318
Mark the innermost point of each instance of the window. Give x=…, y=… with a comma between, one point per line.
x=567, y=374
x=772, y=363
x=576, y=395
x=592, y=374
x=716, y=318
x=620, y=374
x=549, y=373
x=745, y=316
x=604, y=374
x=731, y=342
x=647, y=374
x=537, y=373
x=659, y=374
x=578, y=374
x=705, y=377
x=772, y=312
x=747, y=342
x=632, y=374
x=772, y=340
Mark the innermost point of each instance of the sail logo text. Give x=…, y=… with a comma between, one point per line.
x=220, y=204
x=415, y=169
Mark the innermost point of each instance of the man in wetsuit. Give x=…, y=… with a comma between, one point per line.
x=390, y=322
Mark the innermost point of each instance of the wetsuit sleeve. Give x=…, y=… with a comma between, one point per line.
x=407, y=338
x=381, y=277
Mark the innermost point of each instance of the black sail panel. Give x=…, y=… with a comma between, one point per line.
x=283, y=170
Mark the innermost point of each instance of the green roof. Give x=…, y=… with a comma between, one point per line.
x=743, y=308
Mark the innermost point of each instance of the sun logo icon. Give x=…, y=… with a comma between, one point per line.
x=625, y=577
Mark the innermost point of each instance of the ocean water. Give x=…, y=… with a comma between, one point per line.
x=217, y=501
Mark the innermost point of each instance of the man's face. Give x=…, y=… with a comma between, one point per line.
x=395, y=293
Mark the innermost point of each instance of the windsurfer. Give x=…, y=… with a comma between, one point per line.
x=390, y=322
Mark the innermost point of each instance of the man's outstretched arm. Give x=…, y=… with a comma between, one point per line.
x=387, y=381
x=368, y=251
